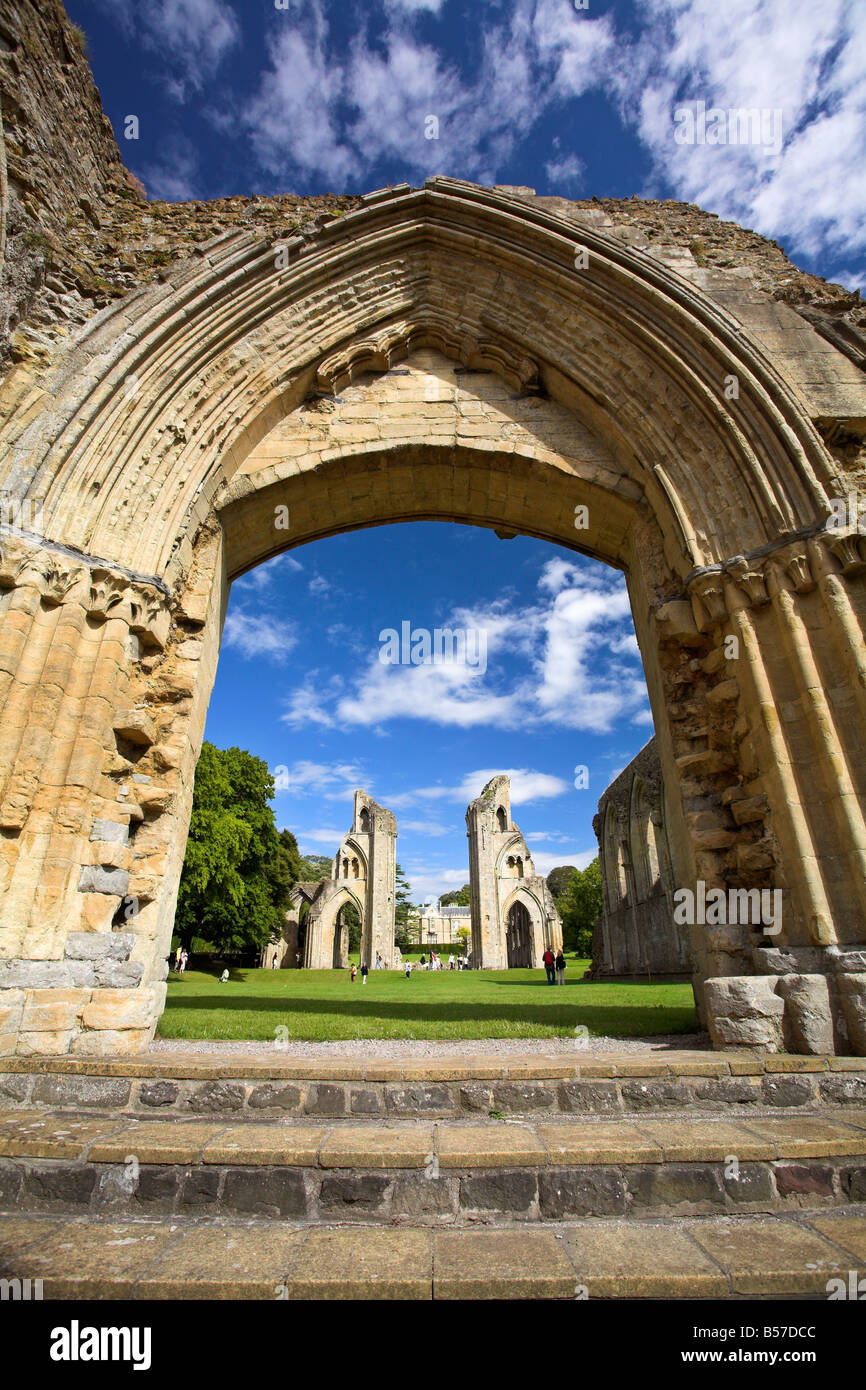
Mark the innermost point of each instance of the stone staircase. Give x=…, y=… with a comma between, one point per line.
x=691, y=1175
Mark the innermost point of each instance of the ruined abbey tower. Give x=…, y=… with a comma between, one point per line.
x=514, y=918
x=364, y=875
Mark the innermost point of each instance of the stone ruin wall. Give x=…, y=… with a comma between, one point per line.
x=635, y=934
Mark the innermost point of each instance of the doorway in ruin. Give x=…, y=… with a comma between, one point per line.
x=519, y=938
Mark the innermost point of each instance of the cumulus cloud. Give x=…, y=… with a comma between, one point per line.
x=258, y=635
x=578, y=666
x=191, y=37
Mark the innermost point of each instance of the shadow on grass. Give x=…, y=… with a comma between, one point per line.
x=599, y=1018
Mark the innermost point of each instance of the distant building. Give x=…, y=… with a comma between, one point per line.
x=438, y=926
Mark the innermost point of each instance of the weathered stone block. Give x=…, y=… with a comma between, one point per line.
x=512, y=1191
x=581, y=1191
x=366, y=1192
x=52, y=1010
x=325, y=1099
x=839, y=1089
x=588, y=1097
x=678, y=1187
x=99, y=946
x=96, y=878
x=807, y=1023
x=156, y=1094
x=658, y=1094
x=215, y=1098
x=120, y=1008
x=417, y=1197
x=34, y=974
x=66, y=1092
x=852, y=994
x=135, y=726
x=110, y=831
x=753, y=1183
x=726, y=1091
x=201, y=1187
x=272, y=1096
x=409, y=1100
x=365, y=1103
x=58, y=1186
x=265, y=1192
x=787, y=1090
x=810, y=1179
x=744, y=1011
x=522, y=1097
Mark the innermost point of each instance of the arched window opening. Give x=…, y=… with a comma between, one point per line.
x=501, y=818
x=364, y=819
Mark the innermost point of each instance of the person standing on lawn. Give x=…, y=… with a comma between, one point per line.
x=364, y=972
x=548, y=961
x=408, y=970
x=354, y=973
x=560, y=968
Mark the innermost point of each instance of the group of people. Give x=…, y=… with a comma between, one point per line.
x=435, y=962
x=181, y=956
x=554, y=965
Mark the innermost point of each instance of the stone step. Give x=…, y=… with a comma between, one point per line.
x=510, y=1084
x=711, y=1258
x=446, y=1172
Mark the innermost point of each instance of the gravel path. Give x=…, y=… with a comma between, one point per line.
x=432, y=1048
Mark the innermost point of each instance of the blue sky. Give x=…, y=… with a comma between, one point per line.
x=320, y=95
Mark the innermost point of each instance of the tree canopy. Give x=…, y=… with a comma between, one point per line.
x=238, y=871
x=579, y=906
x=458, y=897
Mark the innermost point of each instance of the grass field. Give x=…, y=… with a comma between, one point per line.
x=324, y=1004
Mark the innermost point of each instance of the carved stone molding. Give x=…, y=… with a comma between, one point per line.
x=395, y=343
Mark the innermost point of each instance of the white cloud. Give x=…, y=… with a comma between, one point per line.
x=806, y=62
x=566, y=174
x=335, y=781
x=191, y=37
x=337, y=114
x=544, y=862
x=527, y=785
x=581, y=666
x=258, y=635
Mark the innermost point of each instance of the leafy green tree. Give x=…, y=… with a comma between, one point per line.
x=314, y=867
x=559, y=879
x=235, y=883
x=402, y=904
x=458, y=897
x=579, y=907
x=463, y=935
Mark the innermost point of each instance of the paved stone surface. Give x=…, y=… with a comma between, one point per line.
x=501, y=1264
x=158, y=1141
x=79, y=1260
x=606, y=1142
x=356, y=1146
x=705, y=1140
x=480, y=1146
x=844, y=1229
x=770, y=1256
x=807, y=1135
x=223, y=1262
x=369, y=1263
x=643, y=1261
x=53, y=1136
x=296, y=1145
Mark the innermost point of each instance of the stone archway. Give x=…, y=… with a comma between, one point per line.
x=200, y=425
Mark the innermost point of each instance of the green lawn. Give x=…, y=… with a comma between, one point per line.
x=324, y=1004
